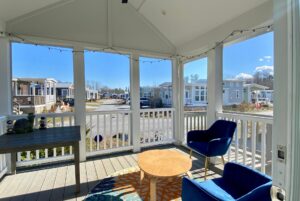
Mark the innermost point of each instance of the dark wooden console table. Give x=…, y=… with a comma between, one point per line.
x=41, y=139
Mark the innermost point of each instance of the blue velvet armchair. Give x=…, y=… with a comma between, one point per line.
x=212, y=142
x=239, y=183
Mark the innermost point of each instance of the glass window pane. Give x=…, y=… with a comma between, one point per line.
x=155, y=83
x=248, y=75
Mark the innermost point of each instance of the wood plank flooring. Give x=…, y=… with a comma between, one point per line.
x=57, y=182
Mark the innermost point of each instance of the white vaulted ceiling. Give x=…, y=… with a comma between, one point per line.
x=162, y=26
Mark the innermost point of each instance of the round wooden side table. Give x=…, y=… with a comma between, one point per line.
x=162, y=163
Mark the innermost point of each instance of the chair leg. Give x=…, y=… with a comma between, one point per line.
x=223, y=160
x=191, y=151
x=206, y=166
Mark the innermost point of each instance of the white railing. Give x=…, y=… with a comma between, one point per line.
x=156, y=126
x=3, y=165
x=33, y=157
x=252, y=143
x=108, y=131
x=194, y=121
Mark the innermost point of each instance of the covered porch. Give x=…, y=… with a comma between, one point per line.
x=133, y=30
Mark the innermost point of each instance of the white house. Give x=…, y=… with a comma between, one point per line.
x=64, y=90
x=34, y=94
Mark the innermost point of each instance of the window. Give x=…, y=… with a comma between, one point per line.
x=247, y=72
x=237, y=94
x=37, y=72
x=107, y=77
x=156, y=79
x=195, y=81
x=197, y=96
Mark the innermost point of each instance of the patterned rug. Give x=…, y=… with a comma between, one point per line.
x=126, y=185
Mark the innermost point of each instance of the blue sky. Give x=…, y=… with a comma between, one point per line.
x=242, y=57
x=112, y=70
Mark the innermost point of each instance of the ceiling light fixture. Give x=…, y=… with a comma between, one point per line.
x=124, y=1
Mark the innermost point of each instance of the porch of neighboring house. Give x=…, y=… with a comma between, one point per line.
x=33, y=95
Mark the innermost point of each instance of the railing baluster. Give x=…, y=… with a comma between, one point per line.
x=117, y=127
x=244, y=136
x=123, y=130
x=253, y=143
x=263, y=147
x=110, y=132
x=237, y=143
x=98, y=132
x=91, y=133
x=104, y=134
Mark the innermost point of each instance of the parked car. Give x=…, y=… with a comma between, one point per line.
x=144, y=102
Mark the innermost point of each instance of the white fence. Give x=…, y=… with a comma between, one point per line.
x=194, y=121
x=156, y=126
x=3, y=165
x=108, y=131
x=252, y=143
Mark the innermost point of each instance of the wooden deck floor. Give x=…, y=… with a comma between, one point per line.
x=58, y=182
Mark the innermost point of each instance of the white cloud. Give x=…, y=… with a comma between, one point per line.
x=261, y=59
x=268, y=57
x=243, y=76
x=265, y=70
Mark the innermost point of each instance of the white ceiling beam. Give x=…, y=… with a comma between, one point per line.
x=141, y=5
x=39, y=11
x=109, y=24
x=255, y=17
x=153, y=28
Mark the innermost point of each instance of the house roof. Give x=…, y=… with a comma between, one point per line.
x=255, y=86
x=64, y=85
x=155, y=26
x=34, y=79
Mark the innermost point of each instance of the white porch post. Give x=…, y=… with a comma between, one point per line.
x=178, y=91
x=135, y=102
x=79, y=94
x=214, y=84
x=286, y=131
x=5, y=77
x=5, y=83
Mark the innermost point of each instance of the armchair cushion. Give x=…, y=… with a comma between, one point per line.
x=238, y=183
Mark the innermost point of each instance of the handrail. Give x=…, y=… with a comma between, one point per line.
x=246, y=117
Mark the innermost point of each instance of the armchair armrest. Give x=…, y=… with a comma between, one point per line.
x=260, y=193
x=218, y=146
x=197, y=135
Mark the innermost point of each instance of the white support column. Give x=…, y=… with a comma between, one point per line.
x=214, y=84
x=286, y=131
x=5, y=77
x=79, y=94
x=178, y=94
x=5, y=83
x=135, y=102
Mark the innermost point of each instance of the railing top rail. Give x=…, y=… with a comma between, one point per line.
x=108, y=112
x=157, y=110
x=194, y=112
x=64, y=114
x=248, y=117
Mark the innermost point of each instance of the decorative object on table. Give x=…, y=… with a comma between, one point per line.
x=24, y=125
x=43, y=123
x=10, y=127
x=238, y=183
x=126, y=185
x=31, y=118
x=212, y=142
x=98, y=138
